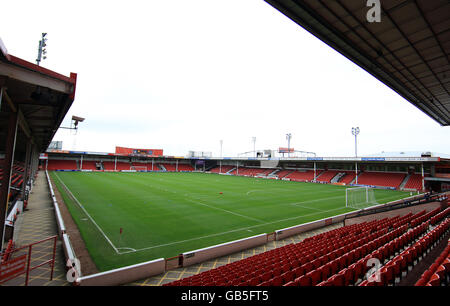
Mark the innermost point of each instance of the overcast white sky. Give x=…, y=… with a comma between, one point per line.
x=182, y=75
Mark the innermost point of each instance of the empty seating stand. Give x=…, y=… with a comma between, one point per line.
x=62, y=164
x=348, y=177
x=418, y=242
x=246, y=171
x=414, y=182
x=383, y=179
x=302, y=176
x=185, y=167
x=88, y=165
x=339, y=257
x=108, y=165
x=439, y=272
x=283, y=173
x=327, y=176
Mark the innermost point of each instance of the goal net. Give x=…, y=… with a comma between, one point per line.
x=140, y=168
x=359, y=197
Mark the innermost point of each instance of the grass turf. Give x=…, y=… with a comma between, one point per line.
x=165, y=214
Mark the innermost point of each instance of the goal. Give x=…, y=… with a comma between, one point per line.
x=359, y=197
x=140, y=168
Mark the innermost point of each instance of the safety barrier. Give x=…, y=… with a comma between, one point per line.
x=59, y=219
x=123, y=275
x=193, y=257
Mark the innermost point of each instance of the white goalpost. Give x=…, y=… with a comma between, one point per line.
x=140, y=168
x=359, y=197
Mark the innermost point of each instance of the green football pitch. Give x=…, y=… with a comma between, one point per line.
x=128, y=218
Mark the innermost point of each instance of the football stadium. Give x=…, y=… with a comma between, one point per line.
x=272, y=217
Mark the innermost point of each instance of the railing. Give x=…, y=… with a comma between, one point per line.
x=19, y=261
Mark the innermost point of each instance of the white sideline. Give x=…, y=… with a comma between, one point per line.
x=88, y=215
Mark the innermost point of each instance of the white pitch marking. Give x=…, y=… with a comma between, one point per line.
x=89, y=216
x=227, y=211
x=235, y=230
x=248, y=192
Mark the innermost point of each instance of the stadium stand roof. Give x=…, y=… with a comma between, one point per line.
x=39, y=96
x=33, y=103
x=408, y=50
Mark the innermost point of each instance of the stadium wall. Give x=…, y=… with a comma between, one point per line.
x=298, y=229
x=201, y=255
x=124, y=275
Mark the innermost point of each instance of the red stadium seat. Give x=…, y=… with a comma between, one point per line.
x=315, y=276
x=299, y=271
x=338, y=280
x=325, y=271
x=288, y=276
x=435, y=280
x=304, y=280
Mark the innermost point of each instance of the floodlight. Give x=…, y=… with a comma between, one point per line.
x=355, y=132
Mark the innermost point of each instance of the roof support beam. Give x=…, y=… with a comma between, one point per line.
x=21, y=118
x=8, y=164
x=31, y=77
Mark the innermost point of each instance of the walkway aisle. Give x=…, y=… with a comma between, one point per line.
x=34, y=224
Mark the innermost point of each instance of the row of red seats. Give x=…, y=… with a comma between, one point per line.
x=61, y=164
x=250, y=171
x=185, y=167
x=289, y=260
x=302, y=176
x=281, y=264
x=89, y=165
x=397, y=221
x=317, y=258
x=419, y=226
x=283, y=173
x=389, y=271
x=18, y=167
x=270, y=270
x=396, y=267
x=424, y=217
x=358, y=270
x=355, y=268
x=440, y=216
x=180, y=167
x=348, y=177
x=16, y=180
x=337, y=272
x=169, y=167
x=414, y=182
x=438, y=271
x=231, y=273
x=222, y=169
x=327, y=176
x=384, y=179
